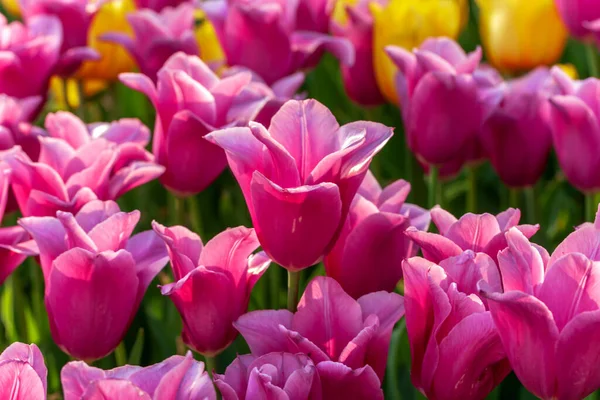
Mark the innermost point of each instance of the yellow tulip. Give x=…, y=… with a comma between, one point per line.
x=12, y=7
x=519, y=35
x=111, y=17
x=407, y=23
x=211, y=51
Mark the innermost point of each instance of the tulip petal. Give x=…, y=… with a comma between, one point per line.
x=49, y=235
x=75, y=377
x=521, y=264
x=442, y=219
x=112, y=233
x=393, y=196
x=435, y=248
x=19, y=381
x=94, y=212
x=30, y=354
x=339, y=381
x=305, y=44
x=76, y=236
x=585, y=240
x=473, y=232
x=184, y=248
x=140, y=83
x=261, y=330
x=110, y=389
x=150, y=255
x=469, y=268
x=67, y=126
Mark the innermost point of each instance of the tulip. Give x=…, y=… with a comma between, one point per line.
x=80, y=163
x=22, y=372
x=114, y=59
x=177, y=377
x=431, y=83
x=213, y=282
x=517, y=136
x=314, y=15
x=158, y=36
x=576, y=133
x=75, y=17
x=355, y=22
x=191, y=101
x=328, y=326
x=408, y=23
x=510, y=42
x=15, y=127
x=92, y=257
x=158, y=5
x=456, y=352
x=477, y=232
x=265, y=36
x=548, y=315
x=28, y=55
x=12, y=7
x=576, y=14
x=369, y=253
x=300, y=176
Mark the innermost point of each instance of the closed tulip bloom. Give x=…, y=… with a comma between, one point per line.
x=75, y=17
x=576, y=133
x=509, y=40
x=157, y=36
x=177, y=377
x=191, y=101
x=456, y=352
x=328, y=326
x=407, y=24
x=158, y=5
x=476, y=232
x=15, y=124
x=369, y=253
x=300, y=176
x=80, y=163
x=28, y=55
x=431, y=82
x=212, y=284
x=576, y=14
x=114, y=59
x=267, y=37
x=517, y=136
x=22, y=372
x=355, y=22
x=548, y=315
x=93, y=258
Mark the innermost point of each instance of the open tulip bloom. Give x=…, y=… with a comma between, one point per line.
x=23, y=374
x=299, y=177
x=15, y=127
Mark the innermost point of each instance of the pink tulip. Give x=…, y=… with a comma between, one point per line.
x=439, y=83
x=477, y=232
x=28, y=55
x=576, y=133
x=314, y=15
x=158, y=36
x=213, y=282
x=266, y=36
x=191, y=101
x=517, y=136
x=328, y=326
x=177, y=377
x=577, y=14
x=92, y=257
x=300, y=176
x=548, y=316
x=158, y=5
x=456, y=352
x=22, y=373
x=359, y=79
x=369, y=253
x=75, y=17
x=80, y=163
x=15, y=126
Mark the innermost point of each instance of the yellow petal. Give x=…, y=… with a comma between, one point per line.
x=339, y=12
x=520, y=35
x=206, y=36
x=57, y=88
x=12, y=7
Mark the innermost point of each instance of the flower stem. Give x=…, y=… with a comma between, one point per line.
x=195, y=216
x=530, y=204
x=274, y=285
x=591, y=207
x=592, y=59
x=434, y=187
x=293, y=289
x=514, y=198
x=210, y=365
x=472, y=190
x=178, y=211
x=121, y=354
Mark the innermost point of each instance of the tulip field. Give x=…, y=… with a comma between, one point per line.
x=299, y=199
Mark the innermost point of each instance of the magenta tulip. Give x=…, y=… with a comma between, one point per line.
x=576, y=133
x=369, y=253
x=548, y=315
x=477, y=232
x=577, y=14
x=456, y=352
x=213, y=283
x=359, y=78
x=80, y=163
x=300, y=176
x=328, y=326
x=517, y=136
x=314, y=15
x=266, y=36
x=28, y=55
x=15, y=126
x=157, y=36
x=92, y=257
x=191, y=101
x=158, y=5
x=23, y=373
x=177, y=377
x=439, y=83
x=75, y=17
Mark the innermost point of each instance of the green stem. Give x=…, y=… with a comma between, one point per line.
x=65, y=90
x=121, y=355
x=274, y=285
x=178, y=211
x=210, y=365
x=20, y=319
x=392, y=377
x=293, y=289
x=514, y=198
x=434, y=187
x=472, y=191
x=591, y=207
x=408, y=163
x=195, y=216
x=530, y=205
x=592, y=59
